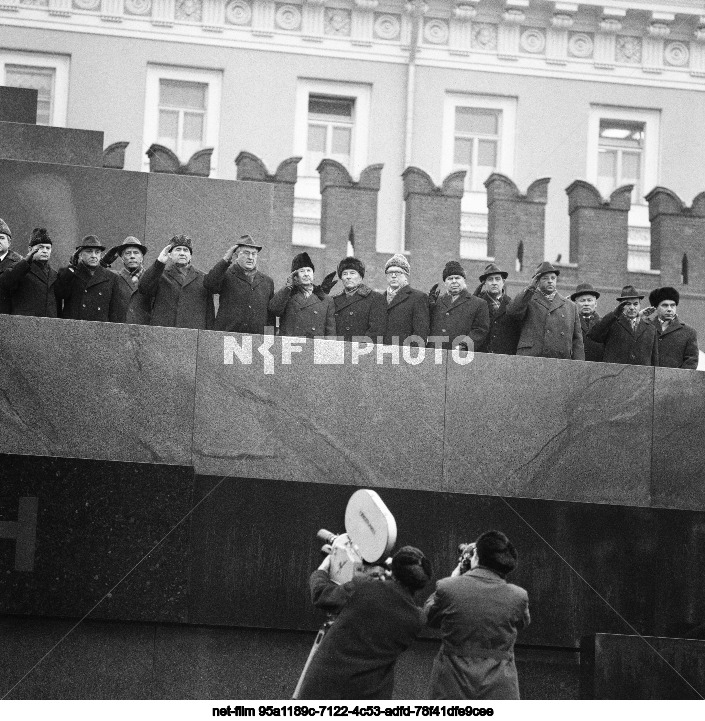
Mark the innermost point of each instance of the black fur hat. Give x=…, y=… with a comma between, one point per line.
x=453, y=268
x=302, y=260
x=39, y=237
x=658, y=295
x=351, y=263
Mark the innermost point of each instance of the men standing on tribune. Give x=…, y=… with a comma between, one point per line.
x=585, y=297
x=407, y=308
x=677, y=342
x=359, y=310
x=503, y=335
x=132, y=307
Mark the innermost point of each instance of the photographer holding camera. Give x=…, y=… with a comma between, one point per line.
x=479, y=615
x=378, y=620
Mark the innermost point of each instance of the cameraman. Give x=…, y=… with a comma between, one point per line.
x=479, y=614
x=378, y=621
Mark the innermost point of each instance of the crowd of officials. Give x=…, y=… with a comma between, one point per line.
x=171, y=292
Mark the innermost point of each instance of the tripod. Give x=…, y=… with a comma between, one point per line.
x=322, y=631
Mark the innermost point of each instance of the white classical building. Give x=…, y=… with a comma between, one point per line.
x=613, y=94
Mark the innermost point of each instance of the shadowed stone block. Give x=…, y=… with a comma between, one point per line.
x=630, y=667
x=352, y=424
x=94, y=661
x=18, y=105
x=71, y=202
x=97, y=390
x=678, y=449
x=546, y=428
x=84, y=549
x=46, y=144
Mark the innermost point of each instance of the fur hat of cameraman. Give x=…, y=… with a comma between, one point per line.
x=411, y=568
x=496, y=552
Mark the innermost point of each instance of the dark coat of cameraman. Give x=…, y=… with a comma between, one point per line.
x=377, y=621
x=479, y=615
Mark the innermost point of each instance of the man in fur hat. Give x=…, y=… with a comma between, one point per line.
x=85, y=290
x=176, y=290
x=132, y=307
x=550, y=323
x=406, y=308
x=304, y=310
x=28, y=285
x=585, y=297
x=503, y=335
x=359, y=311
x=458, y=319
x=628, y=336
x=8, y=259
x=677, y=342
x=244, y=292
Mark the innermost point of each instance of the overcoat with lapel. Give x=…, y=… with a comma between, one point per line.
x=677, y=345
x=503, y=335
x=312, y=317
x=479, y=615
x=360, y=315
x=407, y=315
x=549, y=328
x=28, y=290
x=177, y=301
x=10, y=260
x=243, y=306
x=624, y=345
x=86, y=296
x=133, y=307
x=468, y=316
x=593, y=350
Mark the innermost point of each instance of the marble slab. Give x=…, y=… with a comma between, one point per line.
x=93, y=661
x=678, y=462
x=97, y=390
x=545, y=428
x=48, y=144
x=18, y=105
x=71, y=202
x=85, y=535
x=215, y=213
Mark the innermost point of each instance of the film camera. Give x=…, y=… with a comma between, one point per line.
x=466, y=552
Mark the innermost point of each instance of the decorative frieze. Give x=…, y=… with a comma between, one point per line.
x=62, y=8
x=337, y=22
x=188, y=11
x=111, y=11
x=263, y=14
x=139, y=8
x=162, y=13
x=436, y=31
x=313, y=20
x=387, y=26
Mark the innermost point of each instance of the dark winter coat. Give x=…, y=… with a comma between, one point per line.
x=468, y=316
x=622, y=345
x=407, y=315
x=28, y=290
x=549, y=328
x=243, y=304
x=593, y=350
x=177, y=301
x=479, y=615
x=677, y=345
x=362, y=314
x=85, y=296
x=9, y=261
x=503, y=335
x=378, y=620
x=312, y=317
x=133, y=307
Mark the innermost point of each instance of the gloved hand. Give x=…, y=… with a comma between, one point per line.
x=434, y=293
x=73, y=261
x=620, y=308
x=109, y=258
x=328, y=282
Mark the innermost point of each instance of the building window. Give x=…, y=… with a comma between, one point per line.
x=331, y=121
x=182, y=111
x=47, y=74
x=620, y=156
x=476, y=143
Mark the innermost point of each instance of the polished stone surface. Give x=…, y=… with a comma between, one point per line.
x=71, y=202
x=354, y=424
x=97, y=390
x=18, y=105
x=48, y=144
x=215, y=213
x=50, y=659
x=678, y=462
x=87, y=541
x=544, y=428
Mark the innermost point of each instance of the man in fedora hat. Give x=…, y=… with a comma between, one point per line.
x=305, y=310
x=585, y=297
x=457, y=317
x=85, y=290
x=176, y=290
x=359, y=311
x=503, y=335
x=27, y=287
x=627, y=335
x=550, y=324
x=406, y=308
x=677, y=342
x=132, y=307
x=244, y=292
x=8, y=259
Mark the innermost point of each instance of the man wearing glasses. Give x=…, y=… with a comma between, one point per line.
x=407, y=309
x=244, y=291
